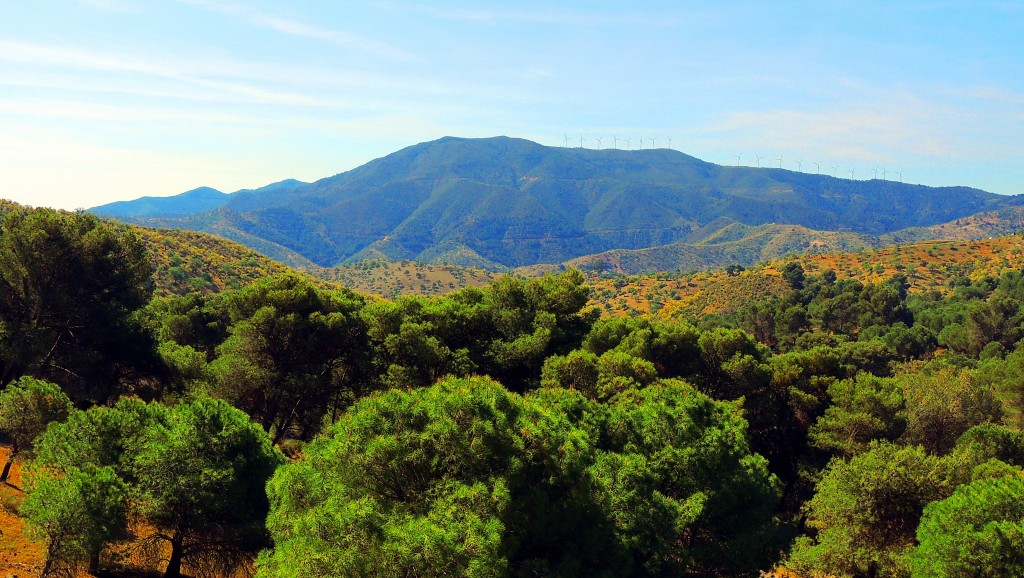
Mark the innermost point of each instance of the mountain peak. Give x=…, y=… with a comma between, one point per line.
x=513, y=202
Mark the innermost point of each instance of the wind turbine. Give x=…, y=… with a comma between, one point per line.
x=641, y=143
x=598, y=139
x=581, y=141
x=884, y=172
x=615, y=142
x=900, y=175
x=566, y=140
x=780, y=161
x=759, y=157
x=876, y=172
x=627, y=143
x=654, y=142
x=817, y=168
x=834, y=169
x=669, y=142
x=737, y=159
x=800, y=165
x=852, y=172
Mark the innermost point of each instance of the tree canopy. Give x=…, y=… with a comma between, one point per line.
x=194, y=472
x=27, y=406
x=467, y=478
x=69, y=284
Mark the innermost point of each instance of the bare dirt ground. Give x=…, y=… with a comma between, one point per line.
x=19, y=556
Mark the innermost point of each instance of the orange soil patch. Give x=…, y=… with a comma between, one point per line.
x=19, y=556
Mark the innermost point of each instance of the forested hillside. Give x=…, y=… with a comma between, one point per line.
x=830, y=423
x=501, y=202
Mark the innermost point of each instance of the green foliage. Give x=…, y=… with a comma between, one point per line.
x=865, y=511
x=619, y=372
x=194, y=472
x=944, y=405
x=198, y=474
x=577, y=370
x=533, y=320
x=76, y=512
x=793, y=273
x=293, y=353
x=462, y=478
x=671, y=347
x=68, y=287
x=863, y=409
x=1005, y=377
x=466, y=478
x=990, y=441
x=505, y=331
x=593, y=458
x=417, y=341
x=27, y=406
x=977, y=531
x=690, y=455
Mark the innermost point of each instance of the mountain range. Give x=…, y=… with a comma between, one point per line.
x=502, y=202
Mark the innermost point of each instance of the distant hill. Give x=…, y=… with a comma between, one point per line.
x=191, y=202
x=186, y=261
x=195, y=201
x=393, y=278
x=745, y=245
x=733, y=244
x=928, y=266
x=501, y=202
x=998, y=223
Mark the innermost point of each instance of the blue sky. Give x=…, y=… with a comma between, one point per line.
x=102, y=100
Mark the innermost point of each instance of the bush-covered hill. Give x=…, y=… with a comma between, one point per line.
x=503, y=202
x=740, y=244
x=927, y=266
x=187, y=261
x=393, y=278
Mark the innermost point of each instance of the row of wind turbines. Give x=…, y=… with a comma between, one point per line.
x=615, y=142
x=817, y=170
x=654, y=144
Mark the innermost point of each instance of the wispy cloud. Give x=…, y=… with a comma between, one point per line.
x=110, y=5
x=991, y=93
x=220, y=80
x=259, y=18
x=894, y=126
x=551, y=16
x=43, y=55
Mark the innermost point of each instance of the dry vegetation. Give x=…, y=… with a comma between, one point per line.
x=928, y=266
x=393, y=278
x=188, y=261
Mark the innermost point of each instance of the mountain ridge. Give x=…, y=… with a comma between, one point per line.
x=502, y=202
